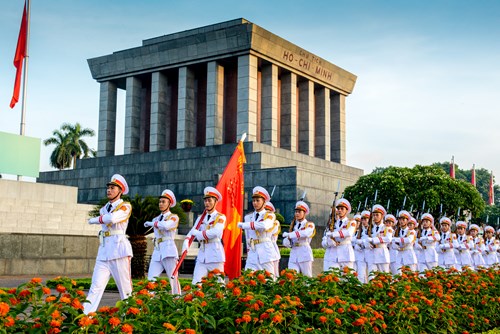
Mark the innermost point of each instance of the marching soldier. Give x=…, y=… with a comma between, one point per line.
x=405, y=241
x=380, y=237
x=299, y=239
x=390, y=221
x=362, y=233
x=429, y=239
x=115, y=251
x=446, y=253
x=465, y=244
x=478, y=249
x=259, y=227
x=165, y=253
x=339, y=252
x=274, y=237
x=211, y=254
x=490, y=247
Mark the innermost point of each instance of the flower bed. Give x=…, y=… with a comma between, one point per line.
x=436, y=301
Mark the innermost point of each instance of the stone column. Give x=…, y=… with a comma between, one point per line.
x=159, y=106
x=107, y=120
x=246, y=109
x=269, y=116
x=306, y=117
x=185, y=117
x=322, y=124
x=215, y=103
x=288, y=124
x=132, y=116
x=337, y=121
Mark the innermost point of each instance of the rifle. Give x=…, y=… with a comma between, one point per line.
x=359, y=205
x=371, y=209
x=388, y=203
x=331, y=220
x=272, y=192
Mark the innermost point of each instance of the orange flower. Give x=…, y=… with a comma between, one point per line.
x=277, y=318
x=4, y=309
x=219, y=295
x=46, y=290
x=188, y=287
x=188, y=297
x=50, y=299
x=151, y=286
x=138, y=301
x=85, y=321
x=55, y=323
x=133, y=310
x=56, y=314
x=126, y=328
x=24, y=293
x=103, y=309
x=36, y=280
x=203, y=304
x=340, y=310
x=236, y=292
x=65, y=300
x=60, y=288
x=114, y=322
x=322, y=319
x=338, y=322
x=169, y=326
x=199, y=293
x=76, y=304
x=190, y=331
x=359, y=322
x=246, y=318
x=9, y=322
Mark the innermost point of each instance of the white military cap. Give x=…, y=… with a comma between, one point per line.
x=365, y=214
x=474, y=227
x=357, y=217
x=404, y=214
x=445, y=220
x=269, y=206
x=300, y=205
x=261, y=192
x=390, y=217
x=427, y=216
x=414, y=221
x=212, y=192
x=167, y=193
x=345, y=203
x=461, y=224
x=119, y=181
x=379, y=208
x=489, y=229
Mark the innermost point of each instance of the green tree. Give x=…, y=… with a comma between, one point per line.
x=61, y=155
x=78, y=146
x=418, y=184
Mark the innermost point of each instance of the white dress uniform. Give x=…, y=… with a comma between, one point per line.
x=429, y=238
x=490, y=252
x=339, y=251
x=359, y=255
x=259, y=228
x=211, y=253
x=165, y=254
x=274, y=238
x=380, y=238
x=406, y=255
x=446, y=252
x=301, y=257
x=115, y=251
x=462, y=252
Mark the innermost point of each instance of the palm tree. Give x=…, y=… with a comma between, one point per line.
x=61, y=156
x=78, y=145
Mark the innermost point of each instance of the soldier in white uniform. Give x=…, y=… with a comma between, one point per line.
x=490, y=247
x=211, y=254
x=465, y=244
x=115, y=251
x=339, y=251
x=429, y=239
x=362, y=233
x=378, y=241
x=165, y=255
x=390, y=221
x=274, y=237
x=259, y=227
x=478, y=249
x=447, y=245
x=299, y=239
x=405, y=241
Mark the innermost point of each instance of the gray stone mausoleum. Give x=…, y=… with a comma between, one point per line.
x=192, y=94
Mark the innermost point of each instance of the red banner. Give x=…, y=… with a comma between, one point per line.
x=491, y=192
x=473, y=176
x=231, y=187
x=452, y=168
x=19, y=57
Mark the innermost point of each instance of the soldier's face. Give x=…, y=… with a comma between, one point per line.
x=460, y=230
x=473, y=233
x=445, y=227
x=209, y=203
x=488, y=234
x=426, y=223
x=377, y=217
x=388, y=223
x=164, y=204
x=341, y=211
x=411, y=225
x=258, y=203
x=300, y=215
x=403, y=221
x=364, y=221
x=112, y=191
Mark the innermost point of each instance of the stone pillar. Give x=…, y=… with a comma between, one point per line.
x=159, y=106
x=215, y=103
x=269, y=116
x=107, y=120
x=246, y=109
x=306, y=117
x=322, y=124
x=132, y=116
x=185, y=117
x=337, y=121
x=288, y=124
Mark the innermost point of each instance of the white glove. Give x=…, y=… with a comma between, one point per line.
x=287, y=243
x=324, y=243
x=240, y=224
x=430, y=238
x=185, y=245
x=94, y=220
x=285, y=234
x=148, y=224
x=198, y=235
x=329, y=233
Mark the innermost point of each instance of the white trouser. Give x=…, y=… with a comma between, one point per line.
x=120, y=270
x=276, y=268
x=270, y=267
x=329, y=264
x=168, y=264
x=362, y=271
x=202, y=269
x=423, y=266
x=382, y=267
x=394, y=268
x=302, y=267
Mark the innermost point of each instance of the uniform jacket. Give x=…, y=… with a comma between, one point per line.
x=429, y=239
x=259, y=237
x=490, y=251
x=210, y=237
x=405, y=241
x=165, y=230
x=462, y=252
x=339, y=245
x=114, y=224
x=477, y=251
x=300, y=240
x=380, y=238
x=446, y=248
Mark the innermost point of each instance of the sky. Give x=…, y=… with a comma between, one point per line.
x=428, y=85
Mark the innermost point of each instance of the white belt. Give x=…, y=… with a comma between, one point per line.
x=298, y=244
x=405, y=249
x=259, y=241
x=105, y=234
x=381, y=246
x=210, y=241
x=345, y=242
x=158, y=241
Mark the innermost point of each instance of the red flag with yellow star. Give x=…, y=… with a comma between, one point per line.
x=231, y=187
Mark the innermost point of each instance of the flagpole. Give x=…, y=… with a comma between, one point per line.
x=25, y=69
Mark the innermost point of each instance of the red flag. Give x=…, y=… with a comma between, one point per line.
x=452, y=168
x=19, y=57
x=491, y=193
x=473, y=176
x=231, y=187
